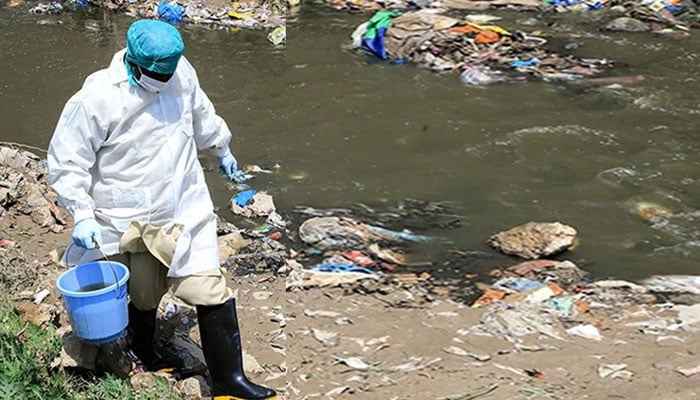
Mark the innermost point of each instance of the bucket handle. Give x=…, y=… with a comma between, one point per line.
x=109, y=262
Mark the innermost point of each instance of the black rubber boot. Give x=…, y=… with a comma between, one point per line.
x=221, y=344
x=142, y=329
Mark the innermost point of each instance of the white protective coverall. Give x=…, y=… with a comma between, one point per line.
x=123, y=154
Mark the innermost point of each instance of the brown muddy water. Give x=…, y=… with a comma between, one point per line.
x=346, y=129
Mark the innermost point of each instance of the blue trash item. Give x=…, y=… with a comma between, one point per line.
x=525, y=63
x=94, y=295
x=398, y=235
x=373, y=39
x=171, y=13
x=244, y=198
x=517, y=284
x=340, y=268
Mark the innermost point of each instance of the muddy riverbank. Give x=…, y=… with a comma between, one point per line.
x=541, y=329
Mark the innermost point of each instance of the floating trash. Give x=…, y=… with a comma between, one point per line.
x=482, y=52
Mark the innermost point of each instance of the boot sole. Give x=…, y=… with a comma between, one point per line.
x=241, y=398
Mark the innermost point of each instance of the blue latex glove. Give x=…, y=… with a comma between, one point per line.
x=87, y=233
x=228, y=166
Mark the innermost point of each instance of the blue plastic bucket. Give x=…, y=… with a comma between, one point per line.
x=94, y=294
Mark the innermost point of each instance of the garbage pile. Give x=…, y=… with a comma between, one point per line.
x=650, y=15
x=376, y=5
x=233, y=15
x=346, y=242
x=483, y=53
x=24, y=190
x=553, y=299
x=255, y=248
x=365, y=249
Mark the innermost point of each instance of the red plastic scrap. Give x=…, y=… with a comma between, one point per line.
x=389, y=267
x=358, y=258
x=276, y=235
x=6, y=243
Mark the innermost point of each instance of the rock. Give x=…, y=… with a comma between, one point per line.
x=277, y=36
x=191, y=353
x=251, y=365
x=195, y=387
x=534, y=239
x=113, y=357
x=626, y=24
x=148, y=380
x=77, y=354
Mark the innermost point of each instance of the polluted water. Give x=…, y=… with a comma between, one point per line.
x=93, y=287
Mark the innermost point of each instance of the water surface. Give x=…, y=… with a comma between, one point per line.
x=346, y=129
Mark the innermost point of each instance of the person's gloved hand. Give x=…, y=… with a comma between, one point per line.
x=86, y=233
x=228, y=166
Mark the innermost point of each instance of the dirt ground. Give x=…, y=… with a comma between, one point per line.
x=335, y=343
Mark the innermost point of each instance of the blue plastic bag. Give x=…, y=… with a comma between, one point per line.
x=244, y=198
x=171, y=13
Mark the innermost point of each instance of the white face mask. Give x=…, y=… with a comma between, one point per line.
x=151, y=85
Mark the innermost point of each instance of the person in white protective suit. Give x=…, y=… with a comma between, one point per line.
x=123, y=160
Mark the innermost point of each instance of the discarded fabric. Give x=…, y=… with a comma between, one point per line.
x=373, y=39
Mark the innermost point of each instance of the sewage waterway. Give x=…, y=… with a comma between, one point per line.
x=346, y=129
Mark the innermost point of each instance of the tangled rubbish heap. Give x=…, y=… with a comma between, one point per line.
x=263, y=14
x=645, y=15
x=482, y=52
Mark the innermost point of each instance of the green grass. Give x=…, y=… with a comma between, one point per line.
x=26, y=353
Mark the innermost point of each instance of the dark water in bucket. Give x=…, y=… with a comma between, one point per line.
x=94, y=287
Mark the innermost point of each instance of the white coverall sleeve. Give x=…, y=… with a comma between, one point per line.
x=210, y=130
x=72, y=152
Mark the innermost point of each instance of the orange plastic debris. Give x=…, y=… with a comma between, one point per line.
x=556, y=289
x=487, y=37
x=490, y=296
x=582, y=306
x=463, y=29
x=482, y=36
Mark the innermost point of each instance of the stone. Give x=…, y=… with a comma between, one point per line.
x=195, y=387
x=534, y=239
x=77, y=354
x=145, y=381
x=626, y=24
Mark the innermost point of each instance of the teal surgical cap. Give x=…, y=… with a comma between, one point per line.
x=154, y=45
